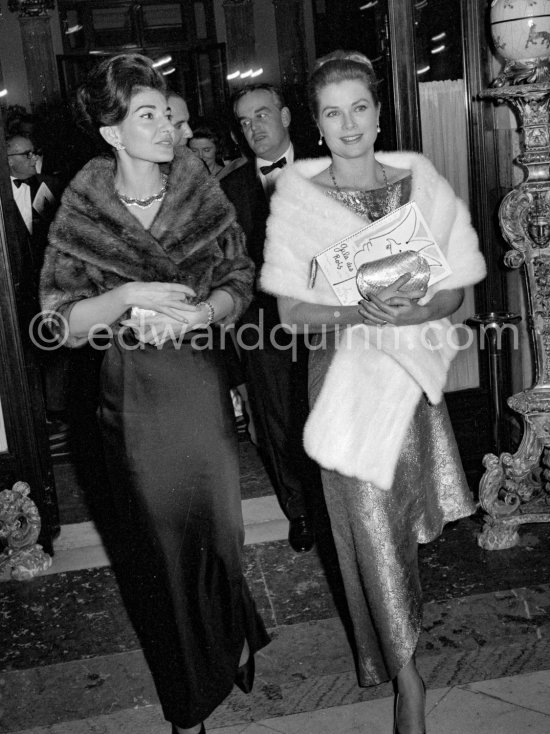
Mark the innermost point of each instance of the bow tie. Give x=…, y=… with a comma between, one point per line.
x=18, y=181
x=278, y=164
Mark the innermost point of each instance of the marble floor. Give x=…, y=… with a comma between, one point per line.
x=70, y=662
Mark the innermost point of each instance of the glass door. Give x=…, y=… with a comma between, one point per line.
x=363, y=27
x=439, y=64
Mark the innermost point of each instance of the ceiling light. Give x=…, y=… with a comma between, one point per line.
x=423, y=70
x=246, y=74
x=169, y=70
x=257, y=73
x=439, y=37
x=73, y=29
x=3, y=92
x=439, y=49
x=162, y=61
x=234, y=75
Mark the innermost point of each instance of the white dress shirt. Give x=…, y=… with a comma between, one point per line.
x=268, y=181
x=22, y=196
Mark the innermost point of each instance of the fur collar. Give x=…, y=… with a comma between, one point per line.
x=95, y=227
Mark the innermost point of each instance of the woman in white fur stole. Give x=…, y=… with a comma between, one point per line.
x=379, y=427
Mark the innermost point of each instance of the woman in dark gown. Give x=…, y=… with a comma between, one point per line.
x=390, y=468
x=154, y=260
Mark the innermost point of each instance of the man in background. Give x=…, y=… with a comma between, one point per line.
x=277, y=382
x=180, y=119
x=37, y=198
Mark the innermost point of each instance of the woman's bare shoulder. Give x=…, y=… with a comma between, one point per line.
x=396, y=174
x=322, y=179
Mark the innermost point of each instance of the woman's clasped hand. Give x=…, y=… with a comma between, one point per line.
x=392, y=306
x=170, y=299
x=164, y=311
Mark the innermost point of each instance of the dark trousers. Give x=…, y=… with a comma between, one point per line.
x=277, y=387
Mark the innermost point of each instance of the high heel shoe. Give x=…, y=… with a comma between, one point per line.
x=202, y=729
x=396, y=706
x=245, y=675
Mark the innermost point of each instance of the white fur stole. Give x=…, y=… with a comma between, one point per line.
x=377, y=376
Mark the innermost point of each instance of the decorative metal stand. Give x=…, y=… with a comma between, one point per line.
x=515, y=487
x=19, y=528
x=491, y=330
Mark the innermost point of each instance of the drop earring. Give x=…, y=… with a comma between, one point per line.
x=118, y=145
x=320, y=139
x=378, y=128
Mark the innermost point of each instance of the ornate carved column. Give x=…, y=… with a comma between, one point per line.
x=37, y=49
x=239, y=28
x=289, y=22
x=515, y=488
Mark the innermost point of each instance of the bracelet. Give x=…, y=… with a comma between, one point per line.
x=211, y=312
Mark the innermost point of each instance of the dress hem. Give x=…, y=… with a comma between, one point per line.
x=453, y=518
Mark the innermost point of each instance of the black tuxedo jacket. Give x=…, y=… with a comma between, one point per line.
x=35, y=243
x=41, y=220
x=245, y=191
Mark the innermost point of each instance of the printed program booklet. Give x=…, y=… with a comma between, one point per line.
x=403, y=229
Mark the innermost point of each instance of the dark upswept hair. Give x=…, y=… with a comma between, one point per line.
x=104, y=98
x=339, y=66
x=260, y=87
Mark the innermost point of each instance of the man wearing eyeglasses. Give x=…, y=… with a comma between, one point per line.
x=37, y=198
x=34, y=194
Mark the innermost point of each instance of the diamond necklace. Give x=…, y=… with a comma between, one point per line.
x=339, y=190
x=149, y=201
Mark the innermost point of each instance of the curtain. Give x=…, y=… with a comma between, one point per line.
x=3, y=442
x=445, y=143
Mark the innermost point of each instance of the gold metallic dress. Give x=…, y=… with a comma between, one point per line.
x=377, y=531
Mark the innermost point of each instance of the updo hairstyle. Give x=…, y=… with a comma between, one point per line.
x=340, y=66
x=104, y=98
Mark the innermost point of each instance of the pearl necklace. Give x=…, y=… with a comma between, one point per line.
x=149, y=201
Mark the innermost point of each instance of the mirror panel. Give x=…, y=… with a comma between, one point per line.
x=442, y=93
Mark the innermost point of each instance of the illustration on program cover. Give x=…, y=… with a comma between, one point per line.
x=403, y=230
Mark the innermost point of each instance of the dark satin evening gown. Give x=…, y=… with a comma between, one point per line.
x=170, y=444
x=376, y=531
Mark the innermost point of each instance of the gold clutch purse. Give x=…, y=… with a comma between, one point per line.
x=373, y=276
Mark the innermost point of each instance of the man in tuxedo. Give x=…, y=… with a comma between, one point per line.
x=275, y=362
x=37, y=198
